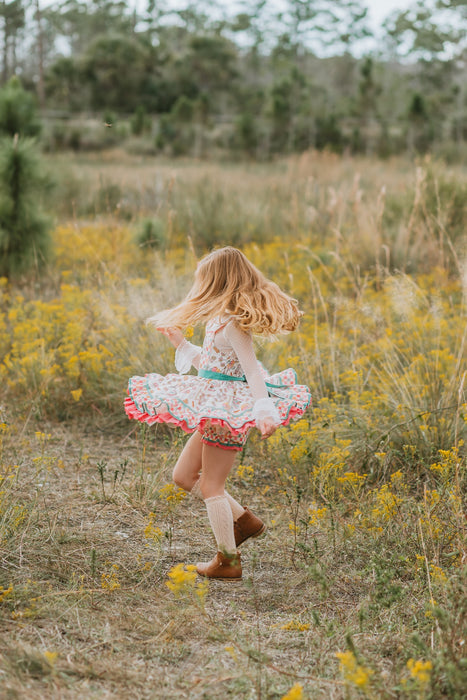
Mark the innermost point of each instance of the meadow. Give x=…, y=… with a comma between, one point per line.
x=358, y=588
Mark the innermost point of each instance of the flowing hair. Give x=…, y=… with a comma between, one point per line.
x=226, y=282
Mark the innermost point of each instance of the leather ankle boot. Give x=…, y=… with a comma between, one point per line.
x=226, y=566
x=248, y=525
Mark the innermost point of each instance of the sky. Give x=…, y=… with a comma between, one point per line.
x=379, y=9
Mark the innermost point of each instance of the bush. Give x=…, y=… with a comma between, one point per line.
x=152, y=233
x=140, y=122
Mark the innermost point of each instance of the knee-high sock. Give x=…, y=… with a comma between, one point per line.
x=221, y=521
x=196, y=490
x=235, y=507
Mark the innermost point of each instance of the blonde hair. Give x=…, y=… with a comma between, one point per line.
x=226, y=282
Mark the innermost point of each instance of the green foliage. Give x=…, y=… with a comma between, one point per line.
x=281, y=114
x=24, y=230
x=152, y=233
x=63, y=83
x=140, y=122
x=175, y=134
x=114, y=68
x=17, y=111
x=328, y=134
x=183, y=110
x=247, y=133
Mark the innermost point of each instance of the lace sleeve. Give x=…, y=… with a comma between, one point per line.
x=242, y=343
x=186, y=355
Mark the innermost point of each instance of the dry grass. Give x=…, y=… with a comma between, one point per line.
x=67, y=633
x=138, y=639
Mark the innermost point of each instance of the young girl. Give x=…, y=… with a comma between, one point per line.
x=231, y=394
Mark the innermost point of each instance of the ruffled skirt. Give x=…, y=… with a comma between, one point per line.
x=190, y=402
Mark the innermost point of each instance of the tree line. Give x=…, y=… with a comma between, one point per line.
x=259, y=78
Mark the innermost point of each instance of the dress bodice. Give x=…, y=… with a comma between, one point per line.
x=214, y=356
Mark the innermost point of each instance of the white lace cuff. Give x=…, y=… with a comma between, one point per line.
x=184, y=356
x=265, y=408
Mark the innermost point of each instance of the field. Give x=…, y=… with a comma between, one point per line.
x=358, y=588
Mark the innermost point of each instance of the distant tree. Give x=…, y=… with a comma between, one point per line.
x=324, y=23
x=115, y=68
x=368, y=91
x=40, y=53
x=212, y=62
x=13, y=19
x=140, y=122
x=183, y=110
x=24, y=230
x=281, y=114
x=420, y=135
x=79, y=22
x=246, y=131
x=64, y=84
x=422, y=32
x=329, y=134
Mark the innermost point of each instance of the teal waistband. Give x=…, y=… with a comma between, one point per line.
x=209, y=374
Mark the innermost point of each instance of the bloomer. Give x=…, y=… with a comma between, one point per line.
x=222, y=437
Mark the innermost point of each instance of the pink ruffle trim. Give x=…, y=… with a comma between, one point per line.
x=134, y=413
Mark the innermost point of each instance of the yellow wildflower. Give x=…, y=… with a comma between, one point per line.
x=420, y=670
x=183, y=582
x=110, y=580
x=172, y=494
x=51, y=657
x=295, y=693
x=76, y=394
x=295, y=625
x=4, y=592
x=353, y=672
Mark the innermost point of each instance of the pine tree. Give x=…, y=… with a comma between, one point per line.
x=24, y=230
x=17, y=111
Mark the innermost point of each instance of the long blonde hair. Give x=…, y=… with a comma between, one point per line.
x=226, y=282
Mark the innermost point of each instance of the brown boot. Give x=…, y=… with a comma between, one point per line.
x=222, y=566
x=248, y=525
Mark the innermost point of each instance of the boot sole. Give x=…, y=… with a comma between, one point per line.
x=223, y=578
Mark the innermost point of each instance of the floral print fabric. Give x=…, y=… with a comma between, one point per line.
x=194, y=403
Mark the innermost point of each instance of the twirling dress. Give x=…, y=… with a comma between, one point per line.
x=220, y=395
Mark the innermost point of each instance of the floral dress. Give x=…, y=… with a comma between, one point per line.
x=218, y=397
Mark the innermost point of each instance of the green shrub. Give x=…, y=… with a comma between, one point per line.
x=152, y=233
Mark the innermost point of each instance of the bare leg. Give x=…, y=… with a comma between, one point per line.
x=217, y=464
x=186, y=471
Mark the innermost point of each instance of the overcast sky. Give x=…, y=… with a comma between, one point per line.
x=380, y=9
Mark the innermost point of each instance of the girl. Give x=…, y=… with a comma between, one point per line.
x=231, y=394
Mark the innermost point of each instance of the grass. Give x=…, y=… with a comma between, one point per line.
x=357, y=590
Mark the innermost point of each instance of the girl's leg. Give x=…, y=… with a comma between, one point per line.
x=186, y=473
x=217, y=464
x=187, y=470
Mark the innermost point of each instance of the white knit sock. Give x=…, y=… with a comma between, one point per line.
x=235, y=507
x=221, y=521
x=196, y=490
